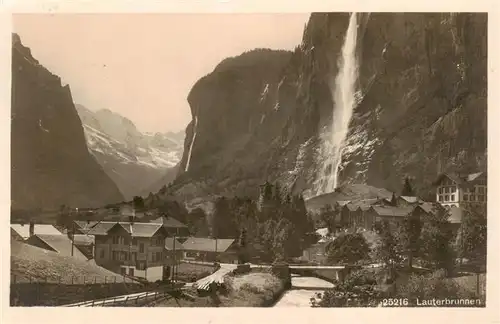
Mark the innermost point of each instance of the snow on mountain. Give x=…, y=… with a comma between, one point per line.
x=134, y=160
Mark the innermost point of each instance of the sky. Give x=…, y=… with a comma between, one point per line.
x=143, y=66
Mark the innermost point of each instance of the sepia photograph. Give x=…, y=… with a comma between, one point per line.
x=313, y=160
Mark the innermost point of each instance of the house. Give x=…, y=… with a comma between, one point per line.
x=85, y=243
x=21, y=232
x=134, y=249
x=453, y=189
x=57, y=243
x=209, y=249
x=379, y=214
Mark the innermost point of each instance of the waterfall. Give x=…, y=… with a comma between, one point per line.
x=344, y=101
x=191, y=145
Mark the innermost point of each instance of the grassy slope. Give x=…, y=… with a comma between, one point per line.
x=254, y=289
x=40, y=265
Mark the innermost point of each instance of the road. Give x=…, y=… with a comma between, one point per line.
x=303, y=289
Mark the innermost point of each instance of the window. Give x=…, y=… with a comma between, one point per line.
x=116, y=239
x=466, y=197
x=123, y=271
x=141, y=247
x=134, y=241
x=481, y=190
x=446, y=198
x=158, y=256
x=481, y=197
x=446, y=189
x=452, y=197
x=134, y=256
x=472, y=197
x=115, y=255
x=440, y=190
x=122, y=256
x=101, y=254
x=141, y=265
x=131, y=272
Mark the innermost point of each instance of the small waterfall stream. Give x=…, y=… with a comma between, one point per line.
x=344, y=101
x=191, y=145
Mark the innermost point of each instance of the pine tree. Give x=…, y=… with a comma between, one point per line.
x=223, y=223
x=386, y=250
x=407, y=188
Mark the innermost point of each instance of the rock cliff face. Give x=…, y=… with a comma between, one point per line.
x=139, y=163
x=50, y=162
x=422, y=110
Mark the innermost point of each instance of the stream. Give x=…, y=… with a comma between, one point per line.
x=303, y=289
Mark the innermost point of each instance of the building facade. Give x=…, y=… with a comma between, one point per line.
x=454, y=190
x=134, y=249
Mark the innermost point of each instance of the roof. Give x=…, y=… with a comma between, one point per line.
x=82, y=239
x=460, y=179
x=322, y=231
x=392, y=211
x=61, y=244
x=427, y=207
x=169, y=244
x=455, y=215
x=411, y=199
x=140, y=229
x=101, y=228
x=24, y=230
x=168, y=222
x=84, y=225
x=207, y=244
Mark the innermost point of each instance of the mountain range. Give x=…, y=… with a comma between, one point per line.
x=137, y=162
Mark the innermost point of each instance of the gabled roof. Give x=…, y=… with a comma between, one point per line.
x=61, y=244
x=207, y=244
x=23, y=230
x=101, y=228
x=140, y=229
x=392, y=211
x=427, y=207
x=169, y=244
x=84, y=226
x=460, y=179
x=167, y=221
x=411, y=199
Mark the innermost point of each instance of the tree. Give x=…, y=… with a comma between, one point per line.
x=197, y=223
x=386, y=250
x=436, y=239
x=138, y=202
x=407, y=188
x=242, y=244
x=473, y=232
x=409, y=237
x=223, y=223
x=348, y=249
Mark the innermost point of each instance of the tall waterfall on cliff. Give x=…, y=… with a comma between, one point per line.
x=344, y=101
x=191, y=145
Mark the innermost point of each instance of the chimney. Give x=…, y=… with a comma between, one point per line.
x=32, y=228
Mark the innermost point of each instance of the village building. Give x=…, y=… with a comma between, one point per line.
x=209, y=249
x=134, y=249
x=453, y=189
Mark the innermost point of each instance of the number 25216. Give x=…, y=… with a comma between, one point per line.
x=394, y=302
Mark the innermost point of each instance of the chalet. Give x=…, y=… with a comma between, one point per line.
x=208, y=249
x=21, y=232
x=453, y=189
x=57, y=243
x=133, y=248
x=379, y=214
